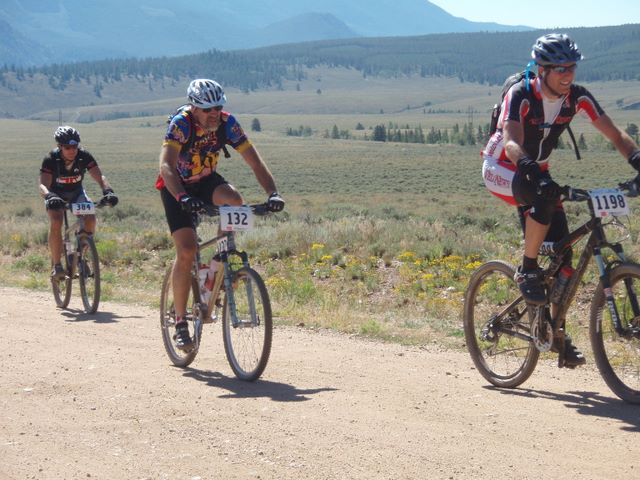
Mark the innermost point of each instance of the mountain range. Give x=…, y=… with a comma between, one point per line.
x=38, y=32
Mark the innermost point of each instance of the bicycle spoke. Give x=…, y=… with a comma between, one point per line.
x=497, y=328
x=247, y=325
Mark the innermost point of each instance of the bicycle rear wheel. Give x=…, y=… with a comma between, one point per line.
x=247, y=337
x=618, y=356
x=62, y=288
x=89, y=274
x=497, y=326
x=178, y=357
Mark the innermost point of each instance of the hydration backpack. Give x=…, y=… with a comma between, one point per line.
x=221, y=133
x=497, y=108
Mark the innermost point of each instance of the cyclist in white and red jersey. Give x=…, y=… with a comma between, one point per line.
x=189, y=179
x=533, y=115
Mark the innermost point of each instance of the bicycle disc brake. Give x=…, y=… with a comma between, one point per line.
x=541, y=329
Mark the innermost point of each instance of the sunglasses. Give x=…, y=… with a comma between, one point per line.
x=208, y=110
x=562, y=69
x=69, y=147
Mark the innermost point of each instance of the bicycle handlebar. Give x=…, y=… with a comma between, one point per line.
x=259, y=209
x=571, y=194
x=100, y=204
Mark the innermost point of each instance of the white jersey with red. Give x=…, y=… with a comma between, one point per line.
x=543, y=121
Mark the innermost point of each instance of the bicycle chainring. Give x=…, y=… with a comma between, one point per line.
x=541, y=333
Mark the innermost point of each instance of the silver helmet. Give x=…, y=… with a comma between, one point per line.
x=204, y=93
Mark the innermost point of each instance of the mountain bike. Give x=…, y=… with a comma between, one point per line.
x=79, y=259
x=505, y=336
x=245, y=306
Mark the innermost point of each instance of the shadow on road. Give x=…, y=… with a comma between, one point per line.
x=586, y=403
x=279, y=392
x=78, y=315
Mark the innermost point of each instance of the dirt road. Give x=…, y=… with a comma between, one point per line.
x=94, y=396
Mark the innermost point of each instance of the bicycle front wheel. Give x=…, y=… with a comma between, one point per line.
x=247, y=325
x=62, y=288
x=497, y=326
x=617, y=355
x=89, y=274
x=178, y=357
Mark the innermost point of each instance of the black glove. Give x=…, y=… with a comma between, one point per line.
x=53, y=201
x=529, y=169
x=634, y=160
x=634, y=187
x=191, y=204
x=275, y=202
x=109, y=198
x=548, y=189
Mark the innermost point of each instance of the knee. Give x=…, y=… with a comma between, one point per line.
x=185, y=252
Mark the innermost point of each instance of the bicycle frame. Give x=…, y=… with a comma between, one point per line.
x=77, y=230
x=596, y=242
x=225, y=248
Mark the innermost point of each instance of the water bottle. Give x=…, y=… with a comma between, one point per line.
x=203, y=273
x=211, y=275
x=206, y=277
x=560, y=285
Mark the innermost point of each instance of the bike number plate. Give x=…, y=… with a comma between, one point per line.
x=234, y=219
x=83, y=208
x=609, y=202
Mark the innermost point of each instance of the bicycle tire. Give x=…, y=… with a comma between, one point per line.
x=248, y=345
x=89, y=274
x=62, y=288
x=178, y=357
x=617, y=357
x=503, y=359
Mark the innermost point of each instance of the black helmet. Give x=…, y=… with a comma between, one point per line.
x=555, y=49
x=66, y=135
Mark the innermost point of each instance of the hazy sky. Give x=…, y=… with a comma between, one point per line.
x=545, y=13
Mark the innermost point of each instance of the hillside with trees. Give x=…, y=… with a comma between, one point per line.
x=485, y=58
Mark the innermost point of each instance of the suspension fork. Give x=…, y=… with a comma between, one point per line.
x=605, y=280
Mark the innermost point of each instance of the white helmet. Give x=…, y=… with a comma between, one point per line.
x=204, y=93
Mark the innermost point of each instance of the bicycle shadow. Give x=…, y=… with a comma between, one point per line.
x=276, y=391
x=592, y=404
x=78, y=315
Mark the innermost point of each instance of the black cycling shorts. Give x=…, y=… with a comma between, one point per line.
x=524, y=192
x=176, y=216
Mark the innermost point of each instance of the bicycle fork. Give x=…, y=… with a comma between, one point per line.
x=231, y=301
x=608, y=292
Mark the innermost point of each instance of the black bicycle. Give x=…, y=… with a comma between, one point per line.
x=80, y=259
x=505, y=336
x=246, y=310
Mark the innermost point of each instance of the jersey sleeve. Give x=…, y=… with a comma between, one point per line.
x=88, y=162
x=235, y=135
x=178, y=131
x=586, y=104
x=48, y=164
x=515, y=105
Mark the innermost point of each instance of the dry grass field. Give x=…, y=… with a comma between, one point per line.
x=377, y=238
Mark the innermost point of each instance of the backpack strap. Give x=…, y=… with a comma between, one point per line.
x=192, y=132
x=573, y=140
x=221, y=135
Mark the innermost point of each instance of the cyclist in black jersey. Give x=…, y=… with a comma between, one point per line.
x=188, y=179
x=61, y=176
x=534, y=113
